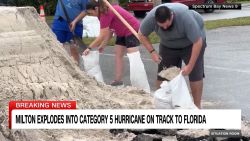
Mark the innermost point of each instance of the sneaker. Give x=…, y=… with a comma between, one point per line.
x=117, y=83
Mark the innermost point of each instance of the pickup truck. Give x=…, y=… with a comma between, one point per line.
x=140, y=7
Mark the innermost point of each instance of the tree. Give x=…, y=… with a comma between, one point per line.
x=49, y=5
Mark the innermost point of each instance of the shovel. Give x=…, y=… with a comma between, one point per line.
x=77, y=47
x=81, y=46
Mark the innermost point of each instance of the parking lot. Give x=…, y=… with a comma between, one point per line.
x=227, y=69
x=227, y=64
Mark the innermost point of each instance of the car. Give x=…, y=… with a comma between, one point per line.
x=140, y=7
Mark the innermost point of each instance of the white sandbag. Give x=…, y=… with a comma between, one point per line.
x=138, y=76
x=174, y=95
x=91, y=26
x=181, y=98
x=163, y=97
x=92, y=66
x=96, y=72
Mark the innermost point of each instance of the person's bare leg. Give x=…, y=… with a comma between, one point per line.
x=132, y=49
x=72, y=51
x=119, y=53
x=66, y=46
x=197, y=88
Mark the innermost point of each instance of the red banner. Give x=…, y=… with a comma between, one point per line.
x=46, y=105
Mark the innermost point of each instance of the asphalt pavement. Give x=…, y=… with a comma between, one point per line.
x=227, y=69
x=227, y=65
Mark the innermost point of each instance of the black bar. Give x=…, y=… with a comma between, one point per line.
x=225, y=133
x=225, y=6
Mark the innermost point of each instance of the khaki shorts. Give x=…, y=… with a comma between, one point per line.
x=174, y=57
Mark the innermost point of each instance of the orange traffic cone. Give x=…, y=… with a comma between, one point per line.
x=42, y=13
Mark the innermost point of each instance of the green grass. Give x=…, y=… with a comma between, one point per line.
x=227, y=22
x=243, y=2
x=49, y=18
x=238, y=1
x=208, y=24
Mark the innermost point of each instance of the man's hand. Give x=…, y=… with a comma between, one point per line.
x=186, y=70
x=156, y=57
x=86, y=52
x=196, y=49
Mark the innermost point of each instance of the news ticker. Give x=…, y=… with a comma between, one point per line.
x=64, y=115
x=224, y=6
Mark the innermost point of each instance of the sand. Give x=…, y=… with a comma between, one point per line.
x=34, y=66
x=169, y=73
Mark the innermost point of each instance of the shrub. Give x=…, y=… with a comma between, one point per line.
x=49, y=5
